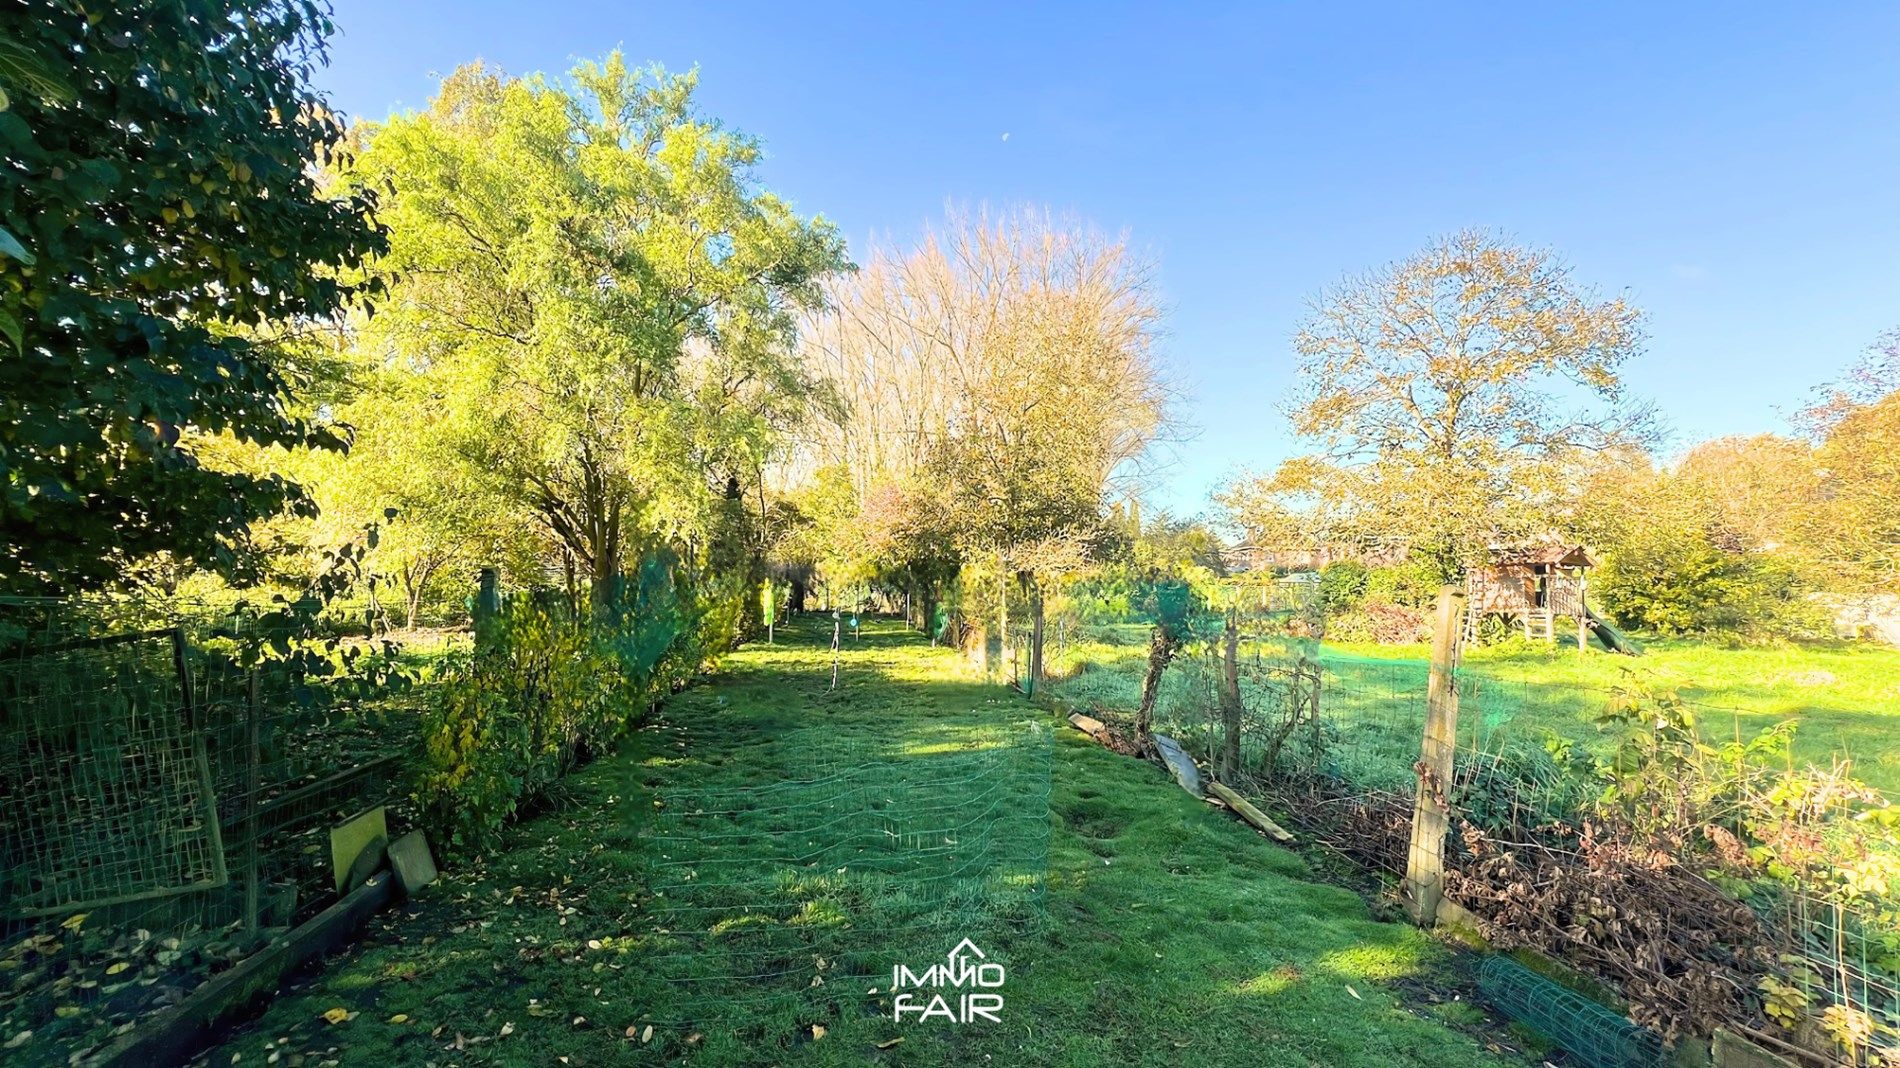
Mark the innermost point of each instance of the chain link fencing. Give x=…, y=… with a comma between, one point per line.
x=1336, y=741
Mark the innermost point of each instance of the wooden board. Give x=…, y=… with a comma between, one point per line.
x=175, y=1035
x=350, y=838
x=1246, y=810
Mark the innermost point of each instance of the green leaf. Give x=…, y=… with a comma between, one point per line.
x=37, y=74
x=10, y=246
x=10, y=326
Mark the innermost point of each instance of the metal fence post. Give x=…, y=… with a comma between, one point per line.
x=1431, y=814
x=487, y=605
x=252, y=756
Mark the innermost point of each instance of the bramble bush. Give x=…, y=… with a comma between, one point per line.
x=1381, y=622
x=1383, y=604
x=1686, y=853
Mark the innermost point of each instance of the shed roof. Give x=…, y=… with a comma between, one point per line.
x=1553, y=553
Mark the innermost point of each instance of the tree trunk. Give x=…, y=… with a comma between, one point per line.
x=1161, y=650
x=1228, y=769
x=412, y=598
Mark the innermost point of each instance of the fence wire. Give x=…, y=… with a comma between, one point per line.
x=164, y=810
x=1344, y=769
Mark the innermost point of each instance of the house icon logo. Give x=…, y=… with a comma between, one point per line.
x=964, y=987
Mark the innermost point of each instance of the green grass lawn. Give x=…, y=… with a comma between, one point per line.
x=1844, y=697
x=1166, y=933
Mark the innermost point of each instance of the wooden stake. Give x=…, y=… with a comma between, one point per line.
x=1431, y=814
x=1583, y=616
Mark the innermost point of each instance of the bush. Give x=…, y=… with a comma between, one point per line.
x=1413, y=584
x=548, y=688
x=1341, y=586
x=1387, y=624
x=1676, y=581
x=540, y=694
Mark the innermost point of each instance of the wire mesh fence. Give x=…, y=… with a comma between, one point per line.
x=776, y=908
x=164, y=806
x=1530, y=835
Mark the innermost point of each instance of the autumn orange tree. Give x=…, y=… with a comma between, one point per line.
x=1856, y=531
x=1441, y=393
x=993, y=383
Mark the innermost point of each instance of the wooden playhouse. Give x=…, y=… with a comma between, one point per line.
x=1542, y=590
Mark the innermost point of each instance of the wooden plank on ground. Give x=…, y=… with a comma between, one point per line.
x=1088, y=725
x=1246, y=810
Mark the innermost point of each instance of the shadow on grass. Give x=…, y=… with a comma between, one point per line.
x=1166, y=933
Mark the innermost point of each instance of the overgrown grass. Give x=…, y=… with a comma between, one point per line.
x=1170, y=933
x=1845, y=697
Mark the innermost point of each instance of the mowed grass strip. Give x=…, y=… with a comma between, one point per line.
x=1170, y=934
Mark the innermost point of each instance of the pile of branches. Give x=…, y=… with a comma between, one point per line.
x=1686, y=955
x=1373, y=828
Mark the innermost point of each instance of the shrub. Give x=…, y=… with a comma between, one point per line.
x=1341, y=586
x=544, y=691
x=1678, y=581
x=1387, y=624
x=1413, y=584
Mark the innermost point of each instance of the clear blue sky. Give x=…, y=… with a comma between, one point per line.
x=1735, y=171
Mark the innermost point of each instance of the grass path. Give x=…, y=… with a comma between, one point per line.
x=1172, y=935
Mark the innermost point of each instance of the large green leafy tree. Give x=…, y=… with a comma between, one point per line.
x=601, y=299
x=162, y=219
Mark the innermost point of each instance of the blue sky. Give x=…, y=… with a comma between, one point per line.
x=1735, y=171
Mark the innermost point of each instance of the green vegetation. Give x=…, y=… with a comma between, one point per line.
x=559, y=327
x=162, y=230
x=1841, y=696
x=1171, y=932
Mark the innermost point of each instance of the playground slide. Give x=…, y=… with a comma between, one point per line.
x=1614, y=640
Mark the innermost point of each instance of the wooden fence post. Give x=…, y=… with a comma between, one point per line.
x=1035, y=641
x=1583, y=614
x=1431, y=814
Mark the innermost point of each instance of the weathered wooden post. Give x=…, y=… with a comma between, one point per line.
x=1431, y=814
x=1583, y=616
x=837, y=629
x=1310, y=670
